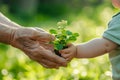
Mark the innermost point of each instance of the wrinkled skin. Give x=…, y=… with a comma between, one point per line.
x=35, y=43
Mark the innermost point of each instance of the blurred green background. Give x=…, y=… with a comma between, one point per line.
x=87, y=17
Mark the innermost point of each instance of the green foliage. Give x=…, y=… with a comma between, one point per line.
x=63, y=36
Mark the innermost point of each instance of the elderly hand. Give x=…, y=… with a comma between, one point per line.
x=34, y=42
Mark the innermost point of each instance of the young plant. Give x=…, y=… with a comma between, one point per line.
x=63, y=36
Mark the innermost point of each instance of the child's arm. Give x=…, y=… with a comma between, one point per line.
x=93, y=48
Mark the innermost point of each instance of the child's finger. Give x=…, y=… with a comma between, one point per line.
x=65, y=55
x=64, y=51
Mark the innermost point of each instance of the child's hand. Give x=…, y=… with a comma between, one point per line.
x=69, y=52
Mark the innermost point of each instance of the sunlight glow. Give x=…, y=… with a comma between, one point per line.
x=108, y=73
x=76, y=71
x=4, y=71
x=84, y=73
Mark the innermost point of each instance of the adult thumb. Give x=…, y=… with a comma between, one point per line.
x=43, y=36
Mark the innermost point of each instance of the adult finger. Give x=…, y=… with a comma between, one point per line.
x=49, y=55
x=43, y=36
x=46, y=66
x=40, y=29
x=49, y=64
x=44, y=62
x=47, y=46
x=59, y=60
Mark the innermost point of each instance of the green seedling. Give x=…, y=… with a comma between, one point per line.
x=63, y=36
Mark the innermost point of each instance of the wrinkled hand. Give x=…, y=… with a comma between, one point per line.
x=35, y=43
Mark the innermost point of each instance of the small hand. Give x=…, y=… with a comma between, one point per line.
x=69, y=52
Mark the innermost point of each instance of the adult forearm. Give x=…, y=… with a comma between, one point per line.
x=6, y=33
x=6, y=21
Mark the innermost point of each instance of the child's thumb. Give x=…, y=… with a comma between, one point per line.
x=65, y=51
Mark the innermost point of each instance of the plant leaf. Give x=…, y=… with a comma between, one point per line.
x=52, y=31
x=59, y=46
x=72, y=38
x=76, y=34
x=68, y=32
